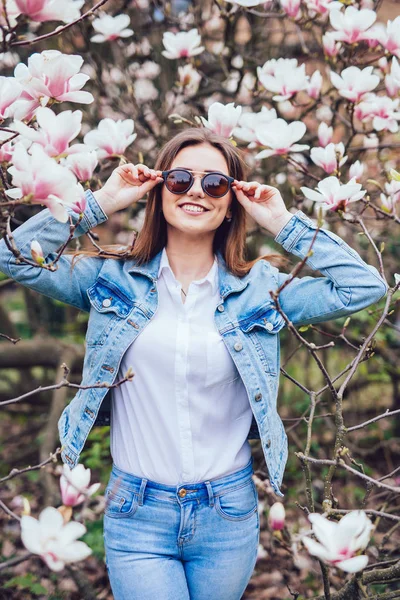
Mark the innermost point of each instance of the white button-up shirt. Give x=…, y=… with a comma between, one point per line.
x=185, y=416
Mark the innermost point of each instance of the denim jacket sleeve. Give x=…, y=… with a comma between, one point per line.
x=349, y=284
x=63, y=284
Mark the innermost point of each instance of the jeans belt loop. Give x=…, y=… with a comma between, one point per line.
x=210, y=493
x=141, y=491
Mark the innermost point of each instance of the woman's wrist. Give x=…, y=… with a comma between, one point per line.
x=106, y=204
x=279, y=223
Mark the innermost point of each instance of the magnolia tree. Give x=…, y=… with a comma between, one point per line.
x=309, y=89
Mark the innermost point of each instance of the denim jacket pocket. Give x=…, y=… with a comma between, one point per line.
x=262, y=328
x=109, y=305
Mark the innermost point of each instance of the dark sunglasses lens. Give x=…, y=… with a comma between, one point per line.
x=178, y=181
x=216, y=185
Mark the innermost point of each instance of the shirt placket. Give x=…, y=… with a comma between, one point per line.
x=181, y=382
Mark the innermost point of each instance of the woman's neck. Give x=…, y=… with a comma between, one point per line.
x=189, y=261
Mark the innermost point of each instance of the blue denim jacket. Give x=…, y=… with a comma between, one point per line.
x=121, y=299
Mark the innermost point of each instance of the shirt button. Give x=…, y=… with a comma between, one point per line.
x=258, y=397
x=269, y=326
x=238, y=346
x=268, y=444
x=221, y=308
x=107, y=302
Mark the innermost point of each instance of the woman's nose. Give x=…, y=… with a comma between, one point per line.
x=196, y=189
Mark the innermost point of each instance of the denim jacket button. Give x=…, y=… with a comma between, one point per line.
x=107, y=302
x=221, y=308
x=238, y=346
x=258, y=397
x=268, y=444
x=269, y=326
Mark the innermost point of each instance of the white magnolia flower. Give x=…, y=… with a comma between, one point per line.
x=74, y=485
x=389, y=37
x=53, y=541
x=392, y=79
x=382, y=110
x=324, y=134
x=315, y=84
x=283, y=77
x=111, y=28
x=332, y=195
x=251, y=123
x=356, y=170
x=111, y=138
x=189, y=79
x=246, y=3
x=281, y=137
x=329, y=158
x=353, y=83
x=10, y=91
x=330, y=44
x=145, y=91
x=182, y=44
x=339, y=543
x=82, y=164
x=50, y=10
x=292, y=8
x=222, y=118
x=392, y=198
x=352, y=24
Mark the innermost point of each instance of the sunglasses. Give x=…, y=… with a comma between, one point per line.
x=214, y=184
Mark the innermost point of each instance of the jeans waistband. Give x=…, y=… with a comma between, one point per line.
x=203, y=490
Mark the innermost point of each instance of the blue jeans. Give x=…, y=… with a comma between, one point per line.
x=190, y=542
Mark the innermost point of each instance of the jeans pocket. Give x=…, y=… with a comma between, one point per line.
x=120, y=503
x=239, y=503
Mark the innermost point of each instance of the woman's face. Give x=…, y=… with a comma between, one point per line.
x=197, y=159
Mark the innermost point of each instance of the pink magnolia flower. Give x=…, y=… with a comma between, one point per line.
x=321, y=7
x=111, y=138
x=291, y=8
x=55, y=132
x=82, y=164
x=276, y=516
x=392, y=79
x=50, y=10
x=49, y=74
x=10, y=91
x=6, y=149
x=332, y=195
x=339, y=543
x=283, y=77
x=356, y=170
x=352, y=24
x=40, y=178
x=111, y=28
x=280, y=137
x=329, y=158
x=389, y=37
x=330, y=44
x=37, y=252
x=222, y=118
x=315, y=85
x=382, y=110
x=182, y=44
x=251, y=123
x=325, y=134
x=53, y=541
x=353, y=82
x=74, y=484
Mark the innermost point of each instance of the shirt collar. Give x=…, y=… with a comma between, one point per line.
x=211, y=277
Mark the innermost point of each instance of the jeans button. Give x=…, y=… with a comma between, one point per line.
x=221, y=308
x=182, y=493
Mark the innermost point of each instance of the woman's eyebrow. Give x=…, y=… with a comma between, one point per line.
x=206, y=171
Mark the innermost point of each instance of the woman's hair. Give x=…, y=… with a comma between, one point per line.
x=230, y=237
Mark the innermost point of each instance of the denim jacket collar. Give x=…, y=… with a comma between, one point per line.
x=228, y=282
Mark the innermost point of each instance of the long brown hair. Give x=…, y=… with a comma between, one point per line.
x=230, y=237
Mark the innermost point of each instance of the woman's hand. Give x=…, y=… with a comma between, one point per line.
x=126, y=185
x=263, y=203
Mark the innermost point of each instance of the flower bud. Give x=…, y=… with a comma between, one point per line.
x=276, y=516
x=37, y=252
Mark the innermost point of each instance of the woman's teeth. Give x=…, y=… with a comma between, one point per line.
x=192, y=208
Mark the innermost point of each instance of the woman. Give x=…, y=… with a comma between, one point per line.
x=197, y=324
